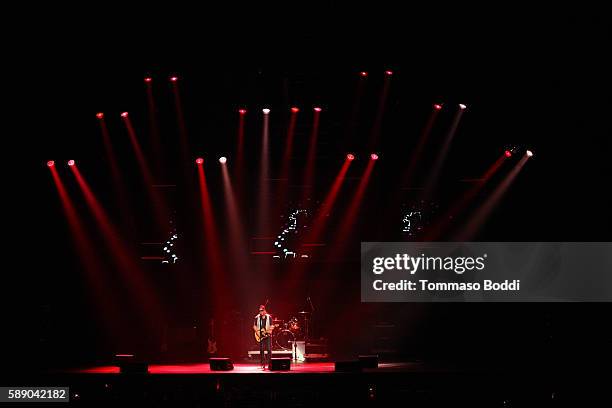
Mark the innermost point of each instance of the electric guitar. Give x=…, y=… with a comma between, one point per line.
x=212, y=343
x=261, y=334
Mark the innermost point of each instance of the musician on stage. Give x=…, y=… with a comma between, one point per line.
x=263, y=326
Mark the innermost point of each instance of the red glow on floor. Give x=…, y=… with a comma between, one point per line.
x=204, y=368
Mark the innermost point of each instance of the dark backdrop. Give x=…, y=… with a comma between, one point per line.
x=534, y=80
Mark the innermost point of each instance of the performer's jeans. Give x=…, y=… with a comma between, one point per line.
x=265, y=344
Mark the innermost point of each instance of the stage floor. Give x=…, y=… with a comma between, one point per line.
x=308, y=384
x=249, y=368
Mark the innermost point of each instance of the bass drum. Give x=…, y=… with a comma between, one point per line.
x=284, y=339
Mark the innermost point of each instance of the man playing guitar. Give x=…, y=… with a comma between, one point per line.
x=262, y=326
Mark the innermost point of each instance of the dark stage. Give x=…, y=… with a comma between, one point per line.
x=414, y=383
x=247, y=368
x=431, y=193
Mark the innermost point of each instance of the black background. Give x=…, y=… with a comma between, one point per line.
x=536, y=79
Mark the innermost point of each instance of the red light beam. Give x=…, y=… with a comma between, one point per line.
x=486, y=208
x=124, y=260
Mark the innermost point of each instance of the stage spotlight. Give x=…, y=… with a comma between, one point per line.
x=462, y=106
x=173, y=79
x=374, y=156
x=295, y=109
x=242, y=111
x=100, y=115
x=388, y=73
x=508, y=153
x=363, y=74
x=222, y=159
x=350, y=156
x=50, y=163
x=529, y=153
x=438, y=106
x=265, y=111
x=199, y=160
x=71, y=162
x=124, y=115
x=148, y=79
x=317, y=109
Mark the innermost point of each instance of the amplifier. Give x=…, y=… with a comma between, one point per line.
x=280, y=364
x=316, y=348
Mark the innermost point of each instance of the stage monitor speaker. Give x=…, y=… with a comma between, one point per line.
x=128, y=364
x=220, y=364
x=280, y=364
x=318, y=347
x=369, y=361
x=134, y=367
x=348, y=366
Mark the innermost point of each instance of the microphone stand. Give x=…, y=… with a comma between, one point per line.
x=312, y=309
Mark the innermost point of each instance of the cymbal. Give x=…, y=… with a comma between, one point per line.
x=303, y=312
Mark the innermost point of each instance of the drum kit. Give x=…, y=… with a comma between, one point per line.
x=290, y=331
